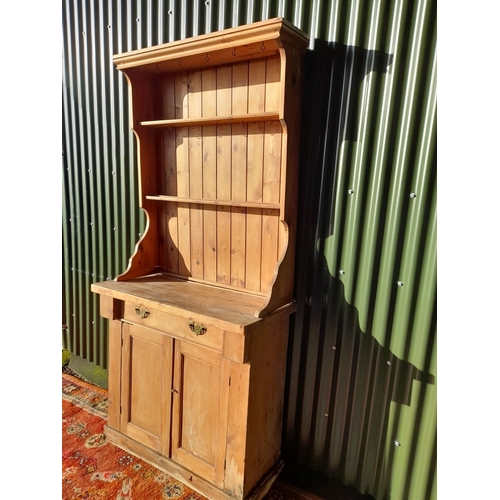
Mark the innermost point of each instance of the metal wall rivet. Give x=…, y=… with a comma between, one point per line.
x=342, y=271
x=351, y=191
x=334, y=347
x=326, y=414
x=400, y=283
x=397, y=443
x=413, y=195
x=389, y=363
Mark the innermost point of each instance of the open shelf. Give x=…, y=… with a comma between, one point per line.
x=213, y=120
x=201, y=201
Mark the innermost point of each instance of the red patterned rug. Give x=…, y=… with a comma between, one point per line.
x=94, y=469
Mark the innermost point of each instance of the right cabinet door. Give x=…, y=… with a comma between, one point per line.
x=199, y=419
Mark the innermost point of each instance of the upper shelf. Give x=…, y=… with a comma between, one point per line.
x=214, y=120
x=244, y=42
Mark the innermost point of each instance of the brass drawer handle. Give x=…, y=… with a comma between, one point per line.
x=142, y=312
x=197, y=329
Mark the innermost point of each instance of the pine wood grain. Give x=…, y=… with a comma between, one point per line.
x=224, y=75
x=239, y=133
x=198, y=400
x=212, y=120
x=145, y=386
x=199, y=319
x=209, y=108
x=229, y=309
x=114, y=371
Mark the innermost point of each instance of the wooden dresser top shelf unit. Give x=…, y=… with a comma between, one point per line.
x=216, y=118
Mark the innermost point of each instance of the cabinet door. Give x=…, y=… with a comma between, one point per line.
x=146, y=391
x=199, y=421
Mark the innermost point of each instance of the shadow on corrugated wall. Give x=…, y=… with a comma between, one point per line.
x=344, y=387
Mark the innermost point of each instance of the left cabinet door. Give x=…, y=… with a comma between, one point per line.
x=146, y=387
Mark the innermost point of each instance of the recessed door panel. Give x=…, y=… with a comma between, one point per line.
x=146, y=386
x=199, y=424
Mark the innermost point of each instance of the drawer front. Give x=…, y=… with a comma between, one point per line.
x=176, y=326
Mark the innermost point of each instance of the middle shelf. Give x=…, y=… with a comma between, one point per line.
x=213, y=120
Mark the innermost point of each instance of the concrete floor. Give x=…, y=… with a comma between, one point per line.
x=85, y=369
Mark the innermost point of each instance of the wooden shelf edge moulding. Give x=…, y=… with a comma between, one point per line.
x=218, y=120
x=253, y=40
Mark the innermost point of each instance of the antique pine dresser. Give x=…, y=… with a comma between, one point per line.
x=199, y=320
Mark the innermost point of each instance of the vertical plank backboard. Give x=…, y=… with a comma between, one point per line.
x=209, y=108
x=169, y=173
x=240, y=162
x=224, y=176
x=273, y=84
x=255, y=165
x=271, y=173
x=182, y=168
x=239, y=173
x=195, y=174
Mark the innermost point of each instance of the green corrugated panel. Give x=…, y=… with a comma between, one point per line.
x=362, y=371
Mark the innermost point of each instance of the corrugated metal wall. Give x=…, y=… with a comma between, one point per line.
x=361, y=385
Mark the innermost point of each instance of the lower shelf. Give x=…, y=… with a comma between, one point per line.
x=185, y=476
x=212, y=202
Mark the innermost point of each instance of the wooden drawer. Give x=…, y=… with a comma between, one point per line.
x=189, y=329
